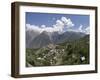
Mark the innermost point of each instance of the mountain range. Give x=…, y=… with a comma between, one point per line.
x=36, y=39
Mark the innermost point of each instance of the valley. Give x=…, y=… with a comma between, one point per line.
x=74, y=52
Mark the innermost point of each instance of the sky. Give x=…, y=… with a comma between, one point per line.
x=57, y=22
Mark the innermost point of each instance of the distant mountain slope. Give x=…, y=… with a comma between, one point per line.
x=30, y=35
x=36, y=40
x=41, y=40
x=68, y=36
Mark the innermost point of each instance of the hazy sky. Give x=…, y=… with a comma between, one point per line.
x=67, y=21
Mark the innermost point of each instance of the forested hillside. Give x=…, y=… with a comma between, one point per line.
x=68, y=53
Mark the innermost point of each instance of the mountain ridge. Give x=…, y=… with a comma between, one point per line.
x=45, y=38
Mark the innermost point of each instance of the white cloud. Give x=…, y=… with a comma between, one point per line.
x=43, y=26
x=33, y=27
x=80, y=28
x=70, y=24
x=86, y=30
x=60, y=24
x=67, y=22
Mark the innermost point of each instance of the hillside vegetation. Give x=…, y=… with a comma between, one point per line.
x=68, y=53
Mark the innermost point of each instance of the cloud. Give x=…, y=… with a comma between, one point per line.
x=80, y=28
x=70, y=24
x=59, y=23
x=43, y=26
x=33, y=27
x=67, y=22
x=58, y=26
x=86, y=30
